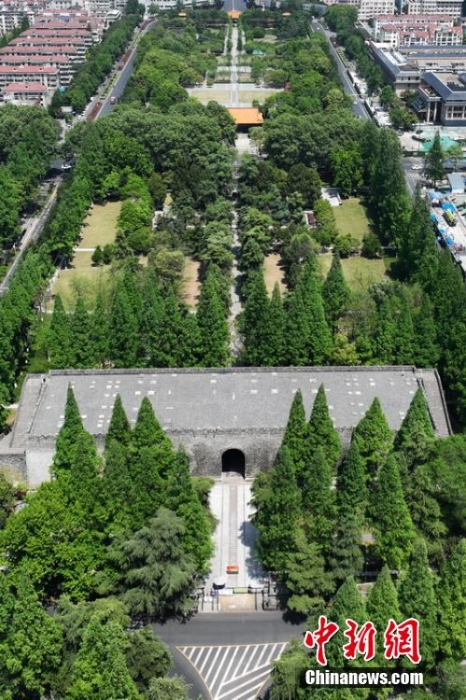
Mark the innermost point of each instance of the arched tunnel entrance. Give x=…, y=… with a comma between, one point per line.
x=234, y=462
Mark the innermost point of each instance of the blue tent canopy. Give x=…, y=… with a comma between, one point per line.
x=448, y=206
x=449, y=241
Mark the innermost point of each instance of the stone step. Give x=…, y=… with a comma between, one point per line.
x=430, y=382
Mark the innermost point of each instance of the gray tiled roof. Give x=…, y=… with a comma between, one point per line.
x=224, y=399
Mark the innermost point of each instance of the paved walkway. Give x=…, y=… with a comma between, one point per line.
x=235, y=535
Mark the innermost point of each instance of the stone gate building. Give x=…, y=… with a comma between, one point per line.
x=227, y=419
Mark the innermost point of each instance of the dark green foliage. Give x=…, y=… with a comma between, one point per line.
x=119, y=428
x=156, y=573
x=213, y=326
x=318, y=498
x=276, y=331
x=123, y=330
x=335, y=292
x=71, y=430
x=295, y=435
x=416, y=433
x=306, y=577
x=435, y=158
x=417, y=598
x=452, y=605
x=147, y=431
x=146, y=657
x=256, y=323
x=391, y=518
x=277, y=502
x=7, y=499
x=347, y=603
x=100, y=668
x=182, y=499
x=59, y=336
x=352, y=493
x=346, y=558
x=426, y=350
x=374, y=439
x=81, y=355
x=382, y=605
x=31, y=644
x=322, y=432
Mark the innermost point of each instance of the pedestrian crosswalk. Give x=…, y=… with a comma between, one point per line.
x=234, y=672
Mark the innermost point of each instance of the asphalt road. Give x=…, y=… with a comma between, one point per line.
x=119, y=85
x=359, y=108
x=413, y=177
x=222, y=629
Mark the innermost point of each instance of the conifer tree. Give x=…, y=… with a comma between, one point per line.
x=151, y=312
x=335, y=292
x=278, y=515
x=382, y=606
x=147, y=430
x=277, y=324
x=306, y=578
x=68, y=435
x=256, y=323
x=404, y=335
x=294, y=438
x=422, y=499
x=391, y=518
x=83, y=483
x=81, y=355
x=319, y=340
x=99, y=332
x=123, y=330
x=182, y=499
x=384, y=333
x=297, y=329
x=213, y=326
x=117, y=484
x=435, y=158
x=373, y=438
x=169, y=334
x=100, y=669
x=31, y=653
x=351, y=485
x=346, y=558
x=426, y=350
x=452, y=605
x=59, y=336
x=347, y=604
x=418, y=599
x=119, y=428
x=318, y=498
x=322, y=432
x=415, y=436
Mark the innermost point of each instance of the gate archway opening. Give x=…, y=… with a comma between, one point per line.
x=234, y=463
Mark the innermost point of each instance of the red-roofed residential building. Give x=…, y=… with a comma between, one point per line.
x=26, y=94
x=45, y=75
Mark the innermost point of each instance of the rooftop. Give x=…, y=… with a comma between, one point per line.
x=225, y=399
x=25, y=87
x=246, y=116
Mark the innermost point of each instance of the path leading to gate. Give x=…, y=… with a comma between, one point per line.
x=234, y=536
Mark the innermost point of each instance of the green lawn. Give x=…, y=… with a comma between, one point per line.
x=359, y=272
x=81, y=280
x=351, y=218
x=100, y=225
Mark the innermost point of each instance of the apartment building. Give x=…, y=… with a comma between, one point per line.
x=367, y=9
x=431, y=35
x=452, y=8
x=45, y=75
x=26, y=94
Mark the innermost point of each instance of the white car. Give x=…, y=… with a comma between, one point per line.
x=416, y=167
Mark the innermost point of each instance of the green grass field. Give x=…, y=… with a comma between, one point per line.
x=81, y=280
x=99, y=227
x=351, y=218
x=359, y=272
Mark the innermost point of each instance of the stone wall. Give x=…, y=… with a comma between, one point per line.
x=13, y=465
